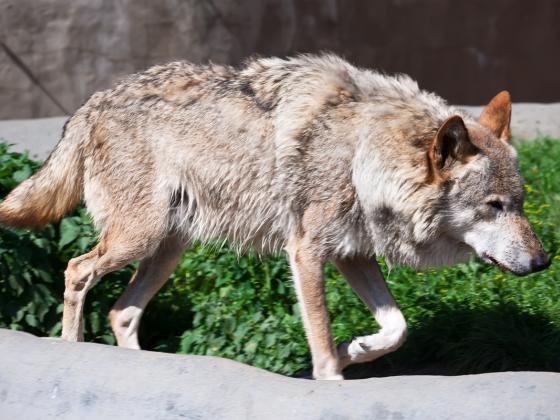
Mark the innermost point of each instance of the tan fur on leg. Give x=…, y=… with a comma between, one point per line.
x=114, y=251
x=151, y=275
x=366, y=279
x=79, y=278
x=307, y=270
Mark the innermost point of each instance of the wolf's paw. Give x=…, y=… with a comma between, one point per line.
x=353, y=351
x=370, y=347
x=327, y=370
x=364, y=349
x=331, y=377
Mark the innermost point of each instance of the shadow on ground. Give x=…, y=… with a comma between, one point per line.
x=466, y=341
x=461, y=341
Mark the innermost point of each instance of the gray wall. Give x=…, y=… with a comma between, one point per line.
x=464, y=50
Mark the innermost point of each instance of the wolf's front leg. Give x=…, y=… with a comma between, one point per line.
x=307, y=270
x=366, y=279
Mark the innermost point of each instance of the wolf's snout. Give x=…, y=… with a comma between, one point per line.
x=540, y=262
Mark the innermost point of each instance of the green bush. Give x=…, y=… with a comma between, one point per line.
x=466, y=319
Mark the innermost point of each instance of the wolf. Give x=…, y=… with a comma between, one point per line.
x=310, y=154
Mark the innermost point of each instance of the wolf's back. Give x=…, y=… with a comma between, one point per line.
x=52, y=191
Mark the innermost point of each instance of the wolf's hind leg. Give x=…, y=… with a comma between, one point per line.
x=151, y=275
x=115, y=250
x=80, y=276
x=366, y=279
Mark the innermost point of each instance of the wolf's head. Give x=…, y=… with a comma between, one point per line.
x=476, y=168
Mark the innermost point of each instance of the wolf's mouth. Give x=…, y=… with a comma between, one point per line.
x=491, y=260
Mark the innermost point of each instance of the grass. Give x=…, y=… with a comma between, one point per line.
x=470, y=318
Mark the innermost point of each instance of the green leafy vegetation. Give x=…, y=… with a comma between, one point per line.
x=465, y=319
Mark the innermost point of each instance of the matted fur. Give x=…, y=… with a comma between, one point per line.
x=309, y=153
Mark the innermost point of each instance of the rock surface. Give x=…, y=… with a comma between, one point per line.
x=39, y=136
x=46, y=378
x=465, y=51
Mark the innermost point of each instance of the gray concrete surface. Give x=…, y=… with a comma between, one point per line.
x=39, y=136
x=530, y=120
x=53, y=379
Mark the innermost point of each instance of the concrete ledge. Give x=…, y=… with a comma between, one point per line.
x=46, y=378
x=39, y=136
x=530, y=120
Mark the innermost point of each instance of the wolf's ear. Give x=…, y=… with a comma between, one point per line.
x=496, y=116
x=451, y=144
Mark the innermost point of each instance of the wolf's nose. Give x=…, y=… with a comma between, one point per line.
x=540, y=262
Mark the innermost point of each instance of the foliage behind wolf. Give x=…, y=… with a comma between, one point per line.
x=309, y=154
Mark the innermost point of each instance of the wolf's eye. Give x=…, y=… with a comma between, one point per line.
x=496, y=205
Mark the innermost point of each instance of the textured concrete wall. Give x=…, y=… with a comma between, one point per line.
x=466, y=51
x=42, y=379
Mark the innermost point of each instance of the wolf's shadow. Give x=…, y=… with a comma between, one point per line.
x=459, y=341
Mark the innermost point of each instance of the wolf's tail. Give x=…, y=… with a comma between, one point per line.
x=54, y=189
